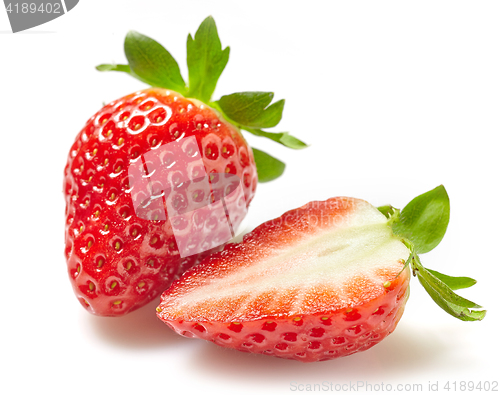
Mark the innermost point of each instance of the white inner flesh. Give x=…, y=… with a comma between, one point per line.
x=361, y=244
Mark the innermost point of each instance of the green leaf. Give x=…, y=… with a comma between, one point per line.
x=206, y=60
x=446, y=292
x=268, y=168
x=152, y=63
x=444, y=297
x=251, y=109
x=271, y=116
x=125, y=68
x=425, y=219
x=461, y=313
x=243, y=107
x=289, y=141
x=453, y=282
x=283, y=138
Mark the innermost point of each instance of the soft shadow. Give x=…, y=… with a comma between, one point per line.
x=401, y=352
x=138, y=329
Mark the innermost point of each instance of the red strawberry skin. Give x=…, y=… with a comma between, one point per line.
x=307, y=338
x=309, y=321
x=117, y=260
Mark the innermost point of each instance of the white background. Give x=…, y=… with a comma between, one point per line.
x=394, y=98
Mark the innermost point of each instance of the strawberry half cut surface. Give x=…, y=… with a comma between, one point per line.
x=160, y=178
x=322, y=281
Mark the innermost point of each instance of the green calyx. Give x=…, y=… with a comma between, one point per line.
x=421, y=226
x=151, y=63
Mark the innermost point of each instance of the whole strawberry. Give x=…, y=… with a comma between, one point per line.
x=322, y=281
x=161, y=177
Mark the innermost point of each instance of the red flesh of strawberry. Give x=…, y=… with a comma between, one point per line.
x=317, y=283
x=117, y=261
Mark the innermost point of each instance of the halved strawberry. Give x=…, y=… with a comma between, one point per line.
x=322, y=281
x=161, y=177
